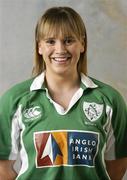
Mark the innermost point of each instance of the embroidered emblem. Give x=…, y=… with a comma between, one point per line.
x=32, y=113
x=92, y=110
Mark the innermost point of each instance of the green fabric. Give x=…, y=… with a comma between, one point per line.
x=81, y=137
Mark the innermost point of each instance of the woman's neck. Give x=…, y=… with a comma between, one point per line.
x=62, y=83
x=62, y=88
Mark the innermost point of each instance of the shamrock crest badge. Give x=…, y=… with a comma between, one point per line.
x=92, y=110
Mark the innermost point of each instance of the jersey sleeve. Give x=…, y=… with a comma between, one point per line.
x=117, y=141
x=8, y=119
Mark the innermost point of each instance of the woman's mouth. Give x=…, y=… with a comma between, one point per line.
x=61, y=59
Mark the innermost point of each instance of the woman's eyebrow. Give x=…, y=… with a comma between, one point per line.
x=64, y=37
x=49, y=38
x=69, y=37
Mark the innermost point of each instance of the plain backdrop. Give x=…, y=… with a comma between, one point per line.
x=106, y=24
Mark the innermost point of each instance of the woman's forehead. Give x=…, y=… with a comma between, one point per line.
x=58, y=28
x=58, y=33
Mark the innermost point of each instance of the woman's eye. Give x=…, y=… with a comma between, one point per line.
x=68, y=41
x=50, y=41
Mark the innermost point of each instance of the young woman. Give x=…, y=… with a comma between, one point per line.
x=64, y=124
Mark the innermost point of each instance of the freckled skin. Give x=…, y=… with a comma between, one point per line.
x=61, y=55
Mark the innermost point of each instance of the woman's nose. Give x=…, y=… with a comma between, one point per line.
x=60, y=47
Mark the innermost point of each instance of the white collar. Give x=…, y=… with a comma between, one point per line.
x=39, y=81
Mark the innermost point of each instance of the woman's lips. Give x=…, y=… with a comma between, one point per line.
x=61, y=59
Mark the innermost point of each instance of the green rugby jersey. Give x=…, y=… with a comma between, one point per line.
x=58, y=144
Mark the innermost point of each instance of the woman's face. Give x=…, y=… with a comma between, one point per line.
x=61, y=54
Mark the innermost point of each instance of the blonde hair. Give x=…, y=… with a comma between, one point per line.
x=57, y=20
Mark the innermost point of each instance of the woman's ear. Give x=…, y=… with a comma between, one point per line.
x=40, y=48
x=82, y=45
x=82, y=49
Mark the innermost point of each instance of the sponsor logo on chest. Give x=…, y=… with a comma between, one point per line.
x=69, y=148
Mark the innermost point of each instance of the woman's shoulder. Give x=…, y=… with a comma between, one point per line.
x=106, y=89
x=18, y=89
